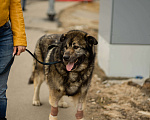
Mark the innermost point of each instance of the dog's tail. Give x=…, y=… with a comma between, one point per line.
x=31, y=79
x=36, y=65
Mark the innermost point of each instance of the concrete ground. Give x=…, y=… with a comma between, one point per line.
x=19, y=93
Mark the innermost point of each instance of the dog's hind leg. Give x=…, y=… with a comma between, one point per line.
x=38, y=80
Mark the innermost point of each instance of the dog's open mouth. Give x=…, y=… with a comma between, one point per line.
x=72, y=65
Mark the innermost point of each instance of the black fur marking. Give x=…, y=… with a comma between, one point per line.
x=51, y=46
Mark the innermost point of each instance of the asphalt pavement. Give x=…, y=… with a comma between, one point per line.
x=19, y=93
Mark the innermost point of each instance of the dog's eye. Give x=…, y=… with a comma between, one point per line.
x=75, y=47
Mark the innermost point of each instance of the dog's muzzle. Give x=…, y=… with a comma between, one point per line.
x=73, y=64
x=66, y=58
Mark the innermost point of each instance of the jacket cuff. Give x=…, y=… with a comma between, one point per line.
x=19, y=41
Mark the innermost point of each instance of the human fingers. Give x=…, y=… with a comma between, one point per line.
x=15, y=50
x=21, y=49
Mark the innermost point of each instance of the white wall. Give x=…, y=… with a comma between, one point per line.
x=130, y=22
x=124, y=60
x=127, y=57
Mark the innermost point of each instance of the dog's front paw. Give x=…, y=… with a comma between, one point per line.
x=36, y=103
x=63, y=104
x=52, y=117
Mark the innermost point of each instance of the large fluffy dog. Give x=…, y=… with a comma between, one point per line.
x=72, y=76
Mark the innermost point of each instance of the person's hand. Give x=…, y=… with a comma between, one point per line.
x=18, y=50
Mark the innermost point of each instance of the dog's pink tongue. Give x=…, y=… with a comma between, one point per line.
x=69, y=66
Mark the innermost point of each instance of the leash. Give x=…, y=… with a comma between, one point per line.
x=43, y=63
x=12, y=60
x=8, y=65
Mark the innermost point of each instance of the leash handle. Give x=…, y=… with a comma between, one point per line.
x=8, y=65
x=43, y=63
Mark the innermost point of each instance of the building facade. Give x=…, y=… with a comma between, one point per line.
x=124, y=37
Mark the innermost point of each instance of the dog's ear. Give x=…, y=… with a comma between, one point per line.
x=91, y=40
x=63, y=37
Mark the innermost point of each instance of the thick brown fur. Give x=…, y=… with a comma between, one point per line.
x=72, y=76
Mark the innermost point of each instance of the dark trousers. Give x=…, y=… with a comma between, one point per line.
x=6, y=51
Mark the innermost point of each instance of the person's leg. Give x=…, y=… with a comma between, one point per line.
x=3, y=99
x=23, y=3
x=6, y=50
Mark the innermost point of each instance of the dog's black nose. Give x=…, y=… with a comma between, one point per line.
x=66, y=57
